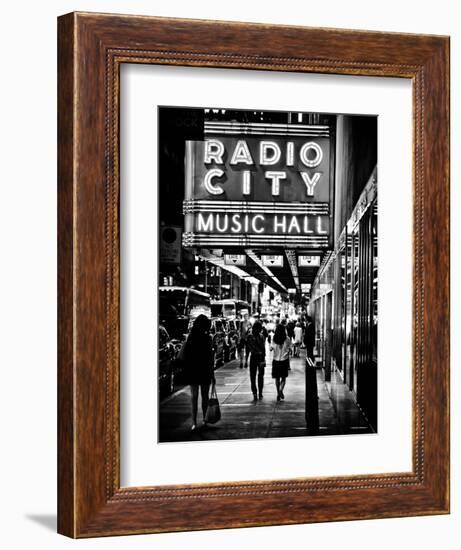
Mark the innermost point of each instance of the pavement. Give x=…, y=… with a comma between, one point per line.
x=244, y=418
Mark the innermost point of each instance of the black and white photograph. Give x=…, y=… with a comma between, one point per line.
x=206, y=208
x=268, y=274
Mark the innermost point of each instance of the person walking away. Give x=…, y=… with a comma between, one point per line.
x=264, y=330
x=298, y=338
x=256, y=346
x=291, y=332
x=199, y=365
x=242, y=343
x=281, y=345
x=303, y=327
x=309, y=339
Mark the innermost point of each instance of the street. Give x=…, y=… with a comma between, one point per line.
x=243, y=418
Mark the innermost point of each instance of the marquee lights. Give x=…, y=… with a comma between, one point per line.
x=213, y=240
x=209, y=222
x=314, y=208
x=270, y=153
x=265, y=128
x=213, y=189
x=318, y=154
x=252, y=184
x=246, y=183
x=275, y=177
x=310, y=182
x=241, y=154
x=272, y=176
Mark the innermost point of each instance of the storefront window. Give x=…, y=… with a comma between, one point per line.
x=355, y=307
x=343, y=306
x=374, y=330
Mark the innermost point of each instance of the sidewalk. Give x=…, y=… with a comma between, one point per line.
x=243, y=418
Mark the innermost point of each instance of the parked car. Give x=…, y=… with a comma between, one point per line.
x=218, y=335
x=171, y=370
x=233, y=327
x=166, y=356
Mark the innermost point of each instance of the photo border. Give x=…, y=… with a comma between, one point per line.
x=143, y=87
x=91, y=48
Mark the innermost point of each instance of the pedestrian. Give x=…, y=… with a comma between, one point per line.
x=198, y=359
x=290, y=326
x=298, y=338
x=309, y=339
x=303, y=326
x=280, y=359
x=242, y=343
x=257, y=348
x=264, y=329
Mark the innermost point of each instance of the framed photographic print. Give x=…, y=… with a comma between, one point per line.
x=239, y=205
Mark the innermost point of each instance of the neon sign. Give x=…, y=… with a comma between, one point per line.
x=252, y=181
x=270, y=153
x=208, y=222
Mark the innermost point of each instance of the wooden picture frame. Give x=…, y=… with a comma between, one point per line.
x=92, y=48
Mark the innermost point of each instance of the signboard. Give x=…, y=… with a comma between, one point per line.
x=170, y=244
x=262, y=169
x=250, y=184
x=308, y=261
x=305, y=288
x=235, y=259
x=260, y=224
x=272, y=261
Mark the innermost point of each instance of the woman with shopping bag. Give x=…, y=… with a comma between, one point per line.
x=198, y=359
x=281, y=345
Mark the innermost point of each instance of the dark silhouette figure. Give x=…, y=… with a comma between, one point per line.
x=199, y=364
x=257, y=348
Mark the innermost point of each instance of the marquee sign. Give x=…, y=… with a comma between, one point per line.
x=272, y=261
x=235, y=259
x=258, y=185
x=309, y=261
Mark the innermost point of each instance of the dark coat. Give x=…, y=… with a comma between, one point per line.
x=199, y=360
x=290, y=329
x=256, y=345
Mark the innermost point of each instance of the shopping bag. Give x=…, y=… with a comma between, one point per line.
x=213, y=412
